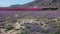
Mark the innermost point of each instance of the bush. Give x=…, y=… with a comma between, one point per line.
x=9, y=28
x=45, y=31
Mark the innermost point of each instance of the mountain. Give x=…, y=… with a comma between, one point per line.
x=17, y=5
x=45, y=3
x=54, y=3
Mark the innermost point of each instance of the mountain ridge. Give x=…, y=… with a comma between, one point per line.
x=45, y=3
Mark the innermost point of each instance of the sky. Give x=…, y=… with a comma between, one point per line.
x=5, y=3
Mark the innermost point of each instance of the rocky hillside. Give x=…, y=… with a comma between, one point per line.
x=30, y=22
x=29, y=25
x=45, y=3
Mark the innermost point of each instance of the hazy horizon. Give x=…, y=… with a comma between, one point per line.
x=6, y=3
